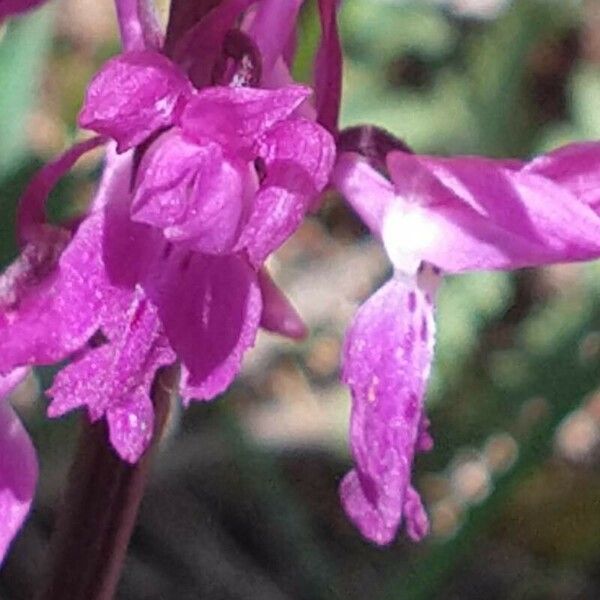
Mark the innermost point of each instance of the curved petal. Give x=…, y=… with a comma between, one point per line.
x=32, y=204
x=575, y=167
x=386, y=360
x=192, y=192
x=237, y=117
x=49, y=306
x=470, y=213
x=210, y=308
x=138, y=25
x=150, y=88
x=368, y=193
x=18, y=466
x=298, y=157
x=278, y=315
x=272, y=27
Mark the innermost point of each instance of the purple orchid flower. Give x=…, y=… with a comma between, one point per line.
x=436, y=216
x=206, y=174
x=18, y=465
x=218, y=160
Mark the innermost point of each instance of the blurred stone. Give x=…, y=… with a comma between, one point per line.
x=500, y=452
x=324, y=356
x=577, y=436
x=445, y=518
x=471, y=481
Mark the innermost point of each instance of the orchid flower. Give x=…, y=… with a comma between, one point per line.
x=201, y=183
x=440, y=216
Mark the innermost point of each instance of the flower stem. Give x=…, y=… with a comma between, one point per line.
x=99, y=510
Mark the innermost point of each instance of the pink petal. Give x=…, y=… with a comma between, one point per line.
x=50, y=303
x=131, y=425
x=237, y=117
x=575, y=167
x=210, y=308
x=386, y=360
x=328, y=67
x=298, y=155
x=115, y=379
x=470, y=213
x=138, y=24
x=191, y=192
x=272, y=27
x=150, y=88
x=278, y=315
x=368, y=192
x=18, y=466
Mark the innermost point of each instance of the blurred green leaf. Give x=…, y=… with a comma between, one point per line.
x=466, y=305
x=497, y=67
x=23, y=51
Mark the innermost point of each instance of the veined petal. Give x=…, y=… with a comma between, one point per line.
x=138, y=25
x=386, y=360
x=192, y=192
x=210, y=308
x=18, y=465
x=575, y=167
x=134, y=95
x=237, y=117
x=278, y=315
x=328, y=67
x=298, y=156
x=469, y=213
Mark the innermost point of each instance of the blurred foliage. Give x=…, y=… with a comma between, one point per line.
x=516, y=353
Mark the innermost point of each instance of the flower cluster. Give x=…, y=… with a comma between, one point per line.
x=213, y=158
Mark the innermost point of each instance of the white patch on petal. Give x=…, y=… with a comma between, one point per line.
x=407, y=233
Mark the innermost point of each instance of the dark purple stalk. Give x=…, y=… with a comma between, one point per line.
x=99, y=510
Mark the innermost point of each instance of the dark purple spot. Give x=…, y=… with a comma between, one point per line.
x=412, y=302
x=167, y=250
x=424, y=329
x=410, y=409
x=428, y=298
x=369, y=487
x=185, y=262
x=261, y=168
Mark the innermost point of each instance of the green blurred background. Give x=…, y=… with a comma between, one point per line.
x=243, y=500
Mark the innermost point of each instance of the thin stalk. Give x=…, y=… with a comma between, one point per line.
x=100, y=507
